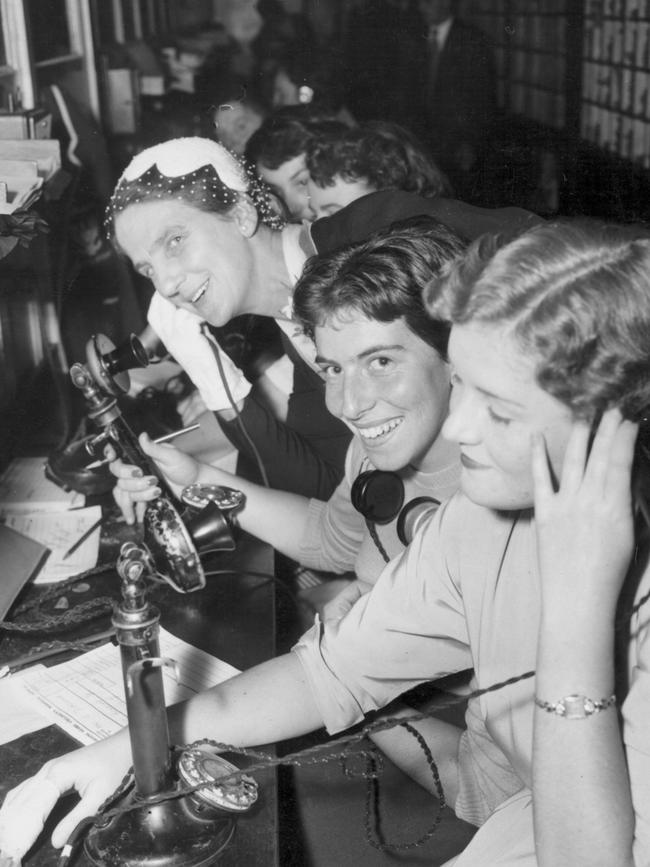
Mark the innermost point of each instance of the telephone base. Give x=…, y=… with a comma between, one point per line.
x=176, y=833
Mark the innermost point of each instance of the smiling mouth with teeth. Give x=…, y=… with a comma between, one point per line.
x=200, y=293
x=372, y=433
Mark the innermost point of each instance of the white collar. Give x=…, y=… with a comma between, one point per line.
x=294, y=256
x=294, y=259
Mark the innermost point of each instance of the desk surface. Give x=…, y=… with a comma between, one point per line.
x=233, y=618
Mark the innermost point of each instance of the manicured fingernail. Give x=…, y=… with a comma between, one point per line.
x=137, y=473
x=152, y=480
x=157, y=492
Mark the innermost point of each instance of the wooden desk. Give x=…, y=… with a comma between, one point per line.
x=233, y=618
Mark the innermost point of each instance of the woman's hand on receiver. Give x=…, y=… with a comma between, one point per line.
x=584, y=521
x=134, y=489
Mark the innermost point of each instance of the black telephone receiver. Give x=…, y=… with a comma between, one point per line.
x=641, y=475
x=175, y=532
x=379, y=496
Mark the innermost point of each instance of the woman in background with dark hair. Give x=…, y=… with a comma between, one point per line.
x=278, y=151
x=377, y=155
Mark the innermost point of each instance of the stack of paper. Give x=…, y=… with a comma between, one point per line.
x=44, y=153
x=85, y=696
x=37, y=508
x=18, y=192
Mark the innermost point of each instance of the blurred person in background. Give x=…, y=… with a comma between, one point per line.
x=454, y=71
x=377, y=155
x=308, y=75
x=278, y=151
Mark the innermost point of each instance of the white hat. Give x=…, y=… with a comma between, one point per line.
x=181, y=156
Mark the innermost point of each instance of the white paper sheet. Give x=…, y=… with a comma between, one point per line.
x=24, y=487
x=59, y=531
x=85, y=696
x=22, y=715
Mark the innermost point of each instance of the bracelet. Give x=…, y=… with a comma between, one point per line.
x=576, y=706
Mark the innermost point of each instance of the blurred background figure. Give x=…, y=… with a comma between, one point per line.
x=310, y=75
x=377, y=155
x=378, y=47
x=455, y=74
x=231, y=60
x=235, y=121
x=420, y=65
x=278, y=152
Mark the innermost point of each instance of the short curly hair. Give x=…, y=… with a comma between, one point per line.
x=286, y=134
x=384, y=154
x=575, y=296
x=381, y=278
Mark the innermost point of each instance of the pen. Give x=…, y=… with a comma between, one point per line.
x=30, y=657
x=164, y=439
x=177, y=433
x=82, y=539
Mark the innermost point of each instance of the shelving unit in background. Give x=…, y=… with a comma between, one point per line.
x=616, y=78
x=575, y=84
x=530, y=41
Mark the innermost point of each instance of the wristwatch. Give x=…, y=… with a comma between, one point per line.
x=576, y=706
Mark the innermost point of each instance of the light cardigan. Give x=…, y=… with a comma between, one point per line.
x=464, y=594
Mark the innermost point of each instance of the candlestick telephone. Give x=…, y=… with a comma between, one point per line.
x=158, y=822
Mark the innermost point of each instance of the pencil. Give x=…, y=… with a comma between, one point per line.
x=82, y=539
x=32, y=656
x=164, y=439
x=177, y=433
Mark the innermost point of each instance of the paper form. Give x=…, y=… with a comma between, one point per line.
x=24, y=487
x=85, y=696
x=24, y=715
x=58, y=531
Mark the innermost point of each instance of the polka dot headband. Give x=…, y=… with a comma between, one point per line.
x=193, y=169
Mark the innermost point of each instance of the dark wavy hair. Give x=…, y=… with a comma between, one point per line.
x=386, y=155
x=575, y=295
x=381, y=278
x=286, y=134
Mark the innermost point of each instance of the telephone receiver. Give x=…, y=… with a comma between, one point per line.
x=175, y=532
x=641, y=474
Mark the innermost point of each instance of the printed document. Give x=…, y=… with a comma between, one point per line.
x=85, y=696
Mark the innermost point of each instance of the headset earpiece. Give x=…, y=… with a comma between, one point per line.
x=411, y=517
x=378, y=495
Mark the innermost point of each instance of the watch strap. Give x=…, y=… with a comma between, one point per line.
x=576, y=706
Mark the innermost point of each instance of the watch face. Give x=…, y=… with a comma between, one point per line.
x=198, y=496
x=577, y=707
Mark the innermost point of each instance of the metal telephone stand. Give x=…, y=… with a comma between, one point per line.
x=186, y=829
x=159, y=823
